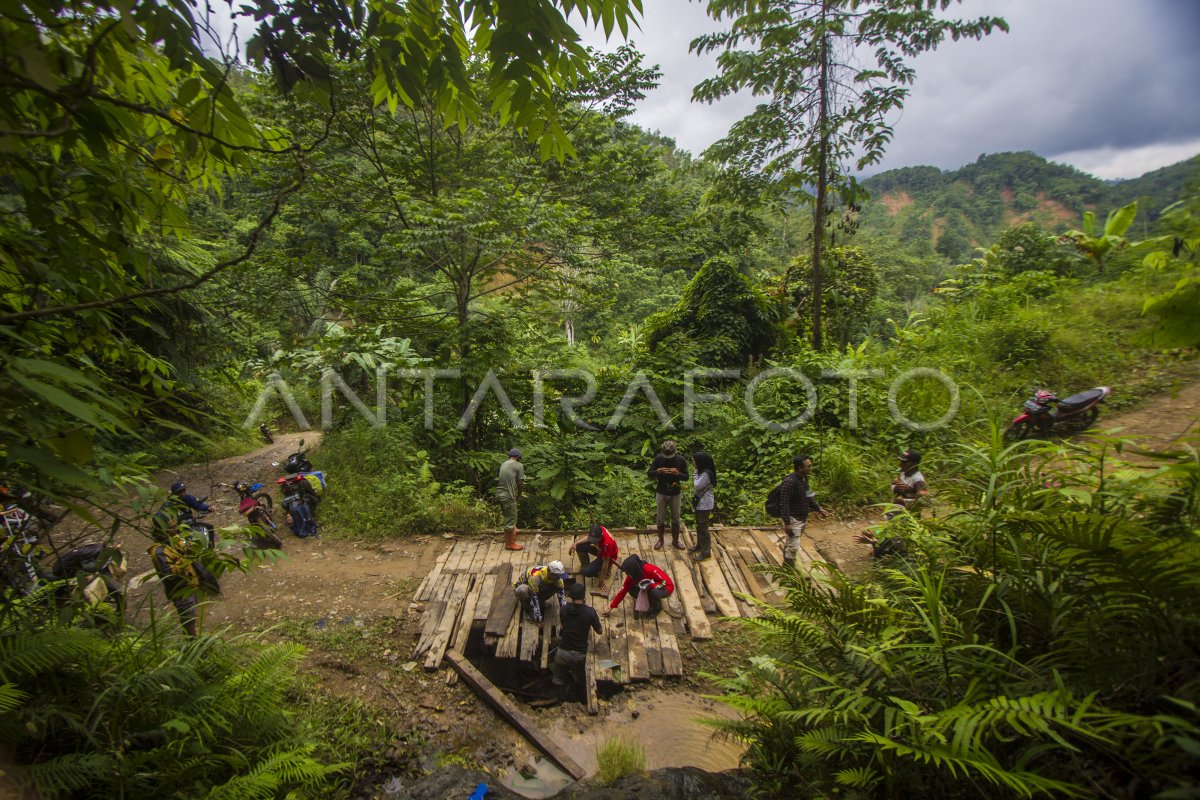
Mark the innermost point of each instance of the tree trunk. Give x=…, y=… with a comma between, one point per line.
x=822, y=184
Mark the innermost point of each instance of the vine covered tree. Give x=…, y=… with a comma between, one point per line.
x=824, y=108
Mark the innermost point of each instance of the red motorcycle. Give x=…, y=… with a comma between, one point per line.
x=1044, y=414
x=256, y=507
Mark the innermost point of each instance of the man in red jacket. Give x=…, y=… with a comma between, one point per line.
x=642, y=577
x=599, y=543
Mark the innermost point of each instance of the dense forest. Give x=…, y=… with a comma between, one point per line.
x=431, y=232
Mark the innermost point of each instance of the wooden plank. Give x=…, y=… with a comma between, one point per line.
x=441, y=638
x=737, y=583
x=462, y=632
x=505, y=707
x=423, y=590
x=685, y=587
x=718, y=589
x=669, y=647
x=748, y=575
x=485, y=587
x=504, y=601
x=770, y=548
x=602, y=651
x=506, y=645
x=639, y=668
x=547, y=624
x=650, y=642
x=593, y=702
x=429, y=624
x=619, y=642
x=530, y=634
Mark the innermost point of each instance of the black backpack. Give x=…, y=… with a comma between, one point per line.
x=772, y=504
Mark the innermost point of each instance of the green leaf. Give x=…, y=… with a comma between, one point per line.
x=1120, y=219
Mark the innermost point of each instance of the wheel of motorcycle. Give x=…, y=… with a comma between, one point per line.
x=264, y=498
x=1084, y=421
x=1019, y=432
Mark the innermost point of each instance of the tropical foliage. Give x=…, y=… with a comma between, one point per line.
x=1037, y=641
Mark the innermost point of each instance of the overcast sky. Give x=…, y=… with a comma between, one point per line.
x=1108, y=86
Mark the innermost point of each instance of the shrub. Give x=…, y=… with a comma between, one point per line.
x=381, y=485
x=1039, y=640
x=617, y=758
x=145, y=714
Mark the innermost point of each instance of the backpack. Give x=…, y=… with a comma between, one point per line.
x=772, y=504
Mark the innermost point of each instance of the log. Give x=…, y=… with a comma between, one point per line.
x=517, y=718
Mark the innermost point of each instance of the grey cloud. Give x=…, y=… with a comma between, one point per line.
x=1073, y=76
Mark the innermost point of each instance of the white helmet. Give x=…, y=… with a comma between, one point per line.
x=557, y=568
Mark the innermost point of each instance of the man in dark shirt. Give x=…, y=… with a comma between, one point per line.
x=668, y=469
x=576, y=619
x=795, y=501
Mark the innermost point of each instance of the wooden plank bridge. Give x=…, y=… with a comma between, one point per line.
x=469, y=590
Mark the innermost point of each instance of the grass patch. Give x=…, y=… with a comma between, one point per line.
x=619, y=757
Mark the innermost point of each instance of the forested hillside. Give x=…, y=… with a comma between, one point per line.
x=949, y=213
x=430, y=232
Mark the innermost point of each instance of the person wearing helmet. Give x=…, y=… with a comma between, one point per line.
x=184, y=504
x=642, y=578
x=508, y=492
x=181, y=509
x=576, y=619
x=537, y=584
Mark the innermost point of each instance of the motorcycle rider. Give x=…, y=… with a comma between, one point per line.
x=183, y=504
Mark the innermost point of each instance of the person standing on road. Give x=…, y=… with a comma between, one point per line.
x=668, y=468
x=704, y=487
x=795, y=501
x=576, y=619
x=508, y=492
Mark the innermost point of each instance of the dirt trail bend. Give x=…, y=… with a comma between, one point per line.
x=1163, y=422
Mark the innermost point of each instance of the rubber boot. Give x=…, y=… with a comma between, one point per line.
x=662, y=529
x=510, y=541
x=678, y=545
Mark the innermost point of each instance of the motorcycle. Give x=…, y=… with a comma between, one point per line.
x=256, y=507
x=297, y=462
x=1045, y=413
x=88, y=574
x=301, y=487
x=266, y=433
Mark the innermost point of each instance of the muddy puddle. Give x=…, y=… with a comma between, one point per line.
x=666, y=727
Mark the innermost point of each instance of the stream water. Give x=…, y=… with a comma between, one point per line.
x=666, y=727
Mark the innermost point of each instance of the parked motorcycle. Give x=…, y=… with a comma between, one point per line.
x=256, y=507
x=297, y=461
x=87, y=574
x=1044, y=414
x=301, y=487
